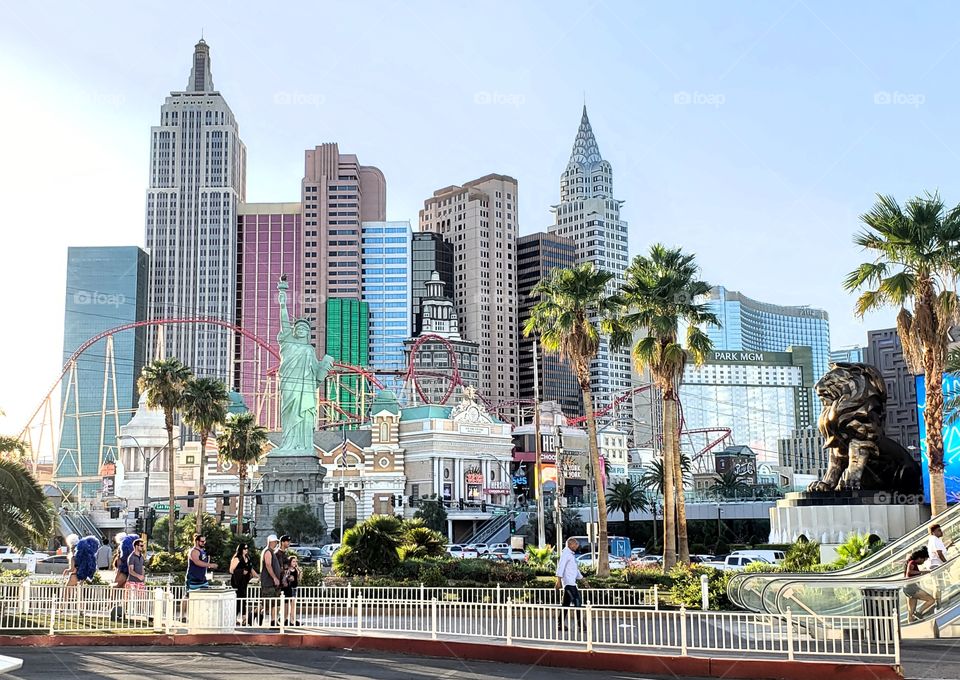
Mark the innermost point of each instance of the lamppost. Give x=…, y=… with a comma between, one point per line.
x=538, y=476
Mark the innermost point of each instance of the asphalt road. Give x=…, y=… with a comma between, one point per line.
x=931, y=659
x=240, y=663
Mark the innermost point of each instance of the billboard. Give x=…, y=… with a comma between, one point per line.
x=951, y=441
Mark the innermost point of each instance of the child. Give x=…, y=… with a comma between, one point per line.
x=290, y=582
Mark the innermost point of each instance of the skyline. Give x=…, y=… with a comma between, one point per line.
x=691, y=138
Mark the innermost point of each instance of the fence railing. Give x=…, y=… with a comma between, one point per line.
x=354, y=611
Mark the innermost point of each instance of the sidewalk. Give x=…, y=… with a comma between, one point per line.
x=931, y=659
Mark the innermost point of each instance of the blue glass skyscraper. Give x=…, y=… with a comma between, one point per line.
x=385, y=254
x=106, y=288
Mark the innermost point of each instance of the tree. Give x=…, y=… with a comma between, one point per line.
x=572, y=302
x=627, y=498
x=204, y=408
x=660, y=293
x=164, y=382
x=12, y=448
x=218, y=537
x=652, y=475
x=420, y=541
x=371, y=547
x=26, y=516
x=241, y=443
x=915, y=265
x=730, y=484
x=300, y=523
x=571, y=525
x=432, y=512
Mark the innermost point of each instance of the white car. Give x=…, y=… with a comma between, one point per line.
x=481, y=548
x=508, y=553
x=735, y=562
x=325, y=557
x=464, y=552
x=648, y=561
x=614, y=562
x=11, y=558
x=497, y=546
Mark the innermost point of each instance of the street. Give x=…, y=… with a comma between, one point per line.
x=239, y=663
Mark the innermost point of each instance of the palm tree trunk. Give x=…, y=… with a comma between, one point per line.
x=669, y=501
x=933, y=414
x=653, y=516
x=682, y=544
x=171, y=477
x=626, y=523
x=243, y=483
x=202, y=489
x=603, y=562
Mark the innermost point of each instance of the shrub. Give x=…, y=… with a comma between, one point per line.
x=13, y=575
x=854, y=549
x=311, y=577
x=421, y=541
x=432, y=577
x=800, y=556
x=370, y=547
x=687, y=591
x=542, y=560
x=164, y=562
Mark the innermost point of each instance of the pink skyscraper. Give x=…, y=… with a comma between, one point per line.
x=268, y=246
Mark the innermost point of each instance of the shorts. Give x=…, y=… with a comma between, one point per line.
x=911, y=590
x=267, y=589
x=290, y=591
x=196, y=585
x=136, y=585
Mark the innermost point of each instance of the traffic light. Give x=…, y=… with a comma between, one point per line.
x=226, y=498
x=259, y=498
x=513, y=526
x=223, y=516
x=483, y=506
x=339, y=494
x=460, y=504
x=136, y=513
x=176, y=512
x=138, y=526
x=190, y=500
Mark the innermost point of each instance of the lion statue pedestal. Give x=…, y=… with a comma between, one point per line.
x=871, y=487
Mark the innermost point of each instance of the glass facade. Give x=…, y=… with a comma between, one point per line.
x=348, y=342
x=268, y=247
x=430, y=253
x=106, y=288
x=761, y=397
x=537, y=255
x=386, y=290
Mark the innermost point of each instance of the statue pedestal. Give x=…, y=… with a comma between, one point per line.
x=831, y=517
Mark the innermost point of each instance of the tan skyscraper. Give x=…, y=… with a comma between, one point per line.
x=480, y=220
x=338, y=194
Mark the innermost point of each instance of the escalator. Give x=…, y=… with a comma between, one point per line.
x=758, y=591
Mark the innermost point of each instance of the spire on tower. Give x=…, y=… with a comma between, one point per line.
x=585, y=149
x=201, y=78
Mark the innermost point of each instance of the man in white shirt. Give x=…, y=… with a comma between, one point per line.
x=936, y=548
x=568, y=573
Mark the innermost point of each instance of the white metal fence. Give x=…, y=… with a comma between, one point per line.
x=473, y=616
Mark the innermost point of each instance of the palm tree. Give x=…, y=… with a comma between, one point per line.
x=204, y=408
x=567, y=318
x=422, y=541
x=626, y=497
x=915, y=265
x=371, y=547
x=164, y=382
x=660, y=293
x=26, y=516
x=12, y=448
x=730, y=484
x=652, y=476
x=242, y=442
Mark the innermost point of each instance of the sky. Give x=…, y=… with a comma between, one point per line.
x=752, y=134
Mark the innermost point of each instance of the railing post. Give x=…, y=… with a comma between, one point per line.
x=168, y=611
x=423, y=591
x=433, y=619
x=683, y=631
x=656, y=597
x=25, y=597
x=349, y=591
x=789, y=634
x=158, y=609
x=498, y=594
x=589, y=625
x=509, y=622
x=359, y=614
x=282, y=613
x=896, y=637
x=704, y=592
x=53, y=615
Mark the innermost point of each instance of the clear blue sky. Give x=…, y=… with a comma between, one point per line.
x=752, y=134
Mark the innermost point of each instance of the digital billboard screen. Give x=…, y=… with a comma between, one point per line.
x=951, y=441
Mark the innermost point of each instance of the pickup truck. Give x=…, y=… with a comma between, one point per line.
x=11, y=558
x=734, y=562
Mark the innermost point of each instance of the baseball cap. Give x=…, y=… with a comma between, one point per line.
x=272, y=538
x=284, y=538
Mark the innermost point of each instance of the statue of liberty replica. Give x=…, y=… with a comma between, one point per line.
x=301, y=375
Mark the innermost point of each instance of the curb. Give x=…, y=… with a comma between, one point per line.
x=677, y=666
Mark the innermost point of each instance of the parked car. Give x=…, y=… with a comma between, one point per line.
x=494, y=557
x=481, y=548
x=495, y=546
x=326, y=553
x=309, y=555
x=614, y=562
x=637, y=553
x=648, y=561
x=699, y=559
x=11, y=558
x=462, y=551
x=508, y=553
x=734, y=562
x=771, y=556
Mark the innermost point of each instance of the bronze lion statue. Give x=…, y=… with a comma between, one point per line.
x=854, y=399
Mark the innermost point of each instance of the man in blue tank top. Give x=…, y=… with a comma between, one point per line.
x=197, y=566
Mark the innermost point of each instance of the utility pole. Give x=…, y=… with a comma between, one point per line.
x=538, y=476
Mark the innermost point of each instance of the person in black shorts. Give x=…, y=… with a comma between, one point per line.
x=290, y=583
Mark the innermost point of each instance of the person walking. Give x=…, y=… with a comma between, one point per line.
x=912, y=590
x=290, y=582
x=568, y=574
x=241, y=571
x=136, y=577
x=270, y=574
